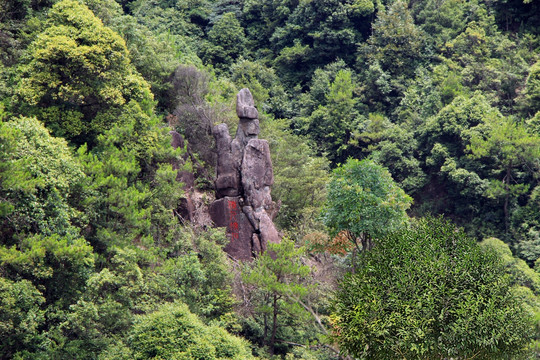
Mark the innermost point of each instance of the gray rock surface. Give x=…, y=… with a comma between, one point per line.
x=228, y=163
x=244, y=176
x=226, y=212
x=257, y=174
x=245, y=105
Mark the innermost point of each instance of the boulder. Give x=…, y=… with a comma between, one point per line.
x=268, y=231
x=226, y=212
x=257, y=174
x=245, y=105
x=228, y=177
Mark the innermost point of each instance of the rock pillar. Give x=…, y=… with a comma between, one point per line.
x=244, y=176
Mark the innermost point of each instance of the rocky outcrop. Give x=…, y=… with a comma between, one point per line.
x=244, y=176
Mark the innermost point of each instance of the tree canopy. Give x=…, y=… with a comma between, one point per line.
x=429, y=291
x=364, y=202
x=377, y=114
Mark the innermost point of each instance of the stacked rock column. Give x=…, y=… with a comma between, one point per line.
x=244, y=176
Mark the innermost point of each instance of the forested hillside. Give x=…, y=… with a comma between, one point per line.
x=405, y=142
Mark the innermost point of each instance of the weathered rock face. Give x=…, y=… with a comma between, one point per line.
x=244, y=176
x=227, y=212
x=228, y=172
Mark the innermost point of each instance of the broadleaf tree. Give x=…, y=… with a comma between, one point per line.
x=512, y=148
x=429, y=291
x=364, y=203
x=78, y=77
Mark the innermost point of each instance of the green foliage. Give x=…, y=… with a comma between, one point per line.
x=511, y=147
x=429, y=291
x=525, y=228
x=443, y=21
x=427, y=89
x=173, y=332
x=153, y=56
x=265, y=86
x=129, y=187
x=198, y=274
x=106, y=10
x=364, y=202
x=20, y=316
x=315, y=32
x=43, y=182
x=532, y=89
x=78, y=77
x=13, y=172
x=280, y=276
x=520, y=273
x=300, y=178
x=329, y=113
x=457, y=181
x=390, y=57
x=226, y=42
x=331, y=125
x=392, y=146
x=57, y=266
x=396, y=43
x=136, y=281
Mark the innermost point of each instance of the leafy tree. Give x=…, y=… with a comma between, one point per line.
x=525, y=228
x=40, y=181
x=443, y=21
x=520, y=273
x=14, y=175
x=396, y=43
x=364, y=203
x=226, y=42
x=490, y=61
x=262, y=18
x=429, y=291
x=123, y=199
x=430, y=91
x=512, y=147
x=57, y=266
x=264, y=84
x=21, y=317
x=78, y=77
x=315, y=32
x=532, y=90
x=278, y=274
x=517, y=16
x=107, y=10
x=393, y=146
x=174, y=332
x=297, y=171
x=330, y=126
x=152, y=55
x=457, y=183
x=392, y=53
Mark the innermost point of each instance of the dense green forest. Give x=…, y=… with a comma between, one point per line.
x=405, y=141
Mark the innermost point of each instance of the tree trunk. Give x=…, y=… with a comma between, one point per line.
x=265, y=330
x=274, y=326
x=507, y=200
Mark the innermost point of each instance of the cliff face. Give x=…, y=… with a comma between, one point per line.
x=244, y=176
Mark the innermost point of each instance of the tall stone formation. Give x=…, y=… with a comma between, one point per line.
x=244, y=175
